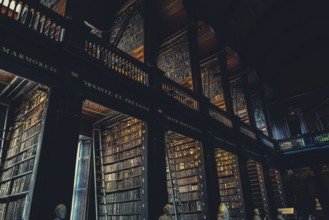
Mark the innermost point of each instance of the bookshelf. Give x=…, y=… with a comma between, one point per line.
x=211, y=83
x=56, y=5
x=21, y=155
x=174, y=60
x=185, y=176
x=259, y=114
x=49, y=3
x=277, y=187
x=129, y=28
x=230, y=183
x=257, y=188
x=119, y=169
x=239, y=102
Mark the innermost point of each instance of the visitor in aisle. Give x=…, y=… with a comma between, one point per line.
x=166, y=213
x=223, y=213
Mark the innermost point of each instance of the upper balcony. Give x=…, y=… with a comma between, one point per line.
x=36, y=19
x=305, y=142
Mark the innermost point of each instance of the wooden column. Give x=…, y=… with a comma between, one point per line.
x=56, y=166
x=151, y=27
x=211, y=180
x=192, y=36
x=269, y=189
x=245, y=184
x=157, y=195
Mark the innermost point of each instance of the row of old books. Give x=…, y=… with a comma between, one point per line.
x=20, y=155
x=119, y=169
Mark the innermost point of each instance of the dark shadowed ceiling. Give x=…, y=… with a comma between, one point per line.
x=285, y=41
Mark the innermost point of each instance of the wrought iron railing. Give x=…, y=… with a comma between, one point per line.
x=116, y=60
x=180, y=93
x=321, y=138
x=36, y=17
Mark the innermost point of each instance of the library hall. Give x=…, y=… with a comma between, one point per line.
x=164, y=110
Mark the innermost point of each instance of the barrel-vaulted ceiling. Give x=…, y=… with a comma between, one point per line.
x=284, y=41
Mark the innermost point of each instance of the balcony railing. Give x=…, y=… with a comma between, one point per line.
x=220, y=115
x=295, y=143
x=321, y=138
x=36, y=17
x=180, y=93
x=116, y=60
x=304, y=141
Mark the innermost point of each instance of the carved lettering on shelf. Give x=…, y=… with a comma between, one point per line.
x=28, y=59
x=184, y=124
x=91, y=85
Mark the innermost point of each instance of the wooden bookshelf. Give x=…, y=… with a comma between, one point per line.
x=119, y=169
x=184, y=176
x=277, y=188
x=259, y=114
x=21, y=156
x=174, y=60
x=127, y=32
x=230, y=183
x=239, y=102
x=211, y=83
x=257, y=188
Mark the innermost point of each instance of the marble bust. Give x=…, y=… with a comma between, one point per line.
x=166, y=212
x=60, y=212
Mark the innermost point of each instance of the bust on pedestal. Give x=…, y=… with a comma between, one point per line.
x=166, y=213
x=60, y=212
x=256, y=215
x=223, y=213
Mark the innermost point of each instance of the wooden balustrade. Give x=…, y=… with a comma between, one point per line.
x=304, y=141
x=35, y=16
x=322, y=138
x=180, y=93
x=295, y=143
x=116, y=60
